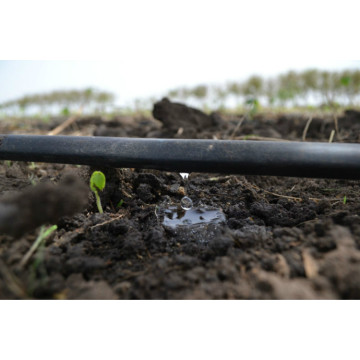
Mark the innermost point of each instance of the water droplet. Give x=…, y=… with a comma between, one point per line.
x=186, y=203
x=184, y=175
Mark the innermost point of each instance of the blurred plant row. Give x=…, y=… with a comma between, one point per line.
x=327, y=89
x=291, y=89
x=64, y=102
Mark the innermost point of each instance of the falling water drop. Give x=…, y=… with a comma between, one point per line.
x=186, y=203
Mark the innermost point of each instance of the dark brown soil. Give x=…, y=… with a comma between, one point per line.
x=283, y=238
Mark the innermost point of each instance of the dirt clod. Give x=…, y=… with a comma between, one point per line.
x=41, y=204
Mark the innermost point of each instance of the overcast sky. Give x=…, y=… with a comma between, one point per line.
x=129, y=82
x=158, y=45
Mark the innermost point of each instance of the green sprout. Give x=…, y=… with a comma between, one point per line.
x=344, y=200
x=97, y=182
x=43, y=234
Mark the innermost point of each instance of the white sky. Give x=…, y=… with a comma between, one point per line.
x=27, y=77
x=157, y=45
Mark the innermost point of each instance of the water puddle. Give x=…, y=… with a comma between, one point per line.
x=189, y=222
x=173, y=216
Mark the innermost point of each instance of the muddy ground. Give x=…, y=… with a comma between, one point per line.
x=276, y=238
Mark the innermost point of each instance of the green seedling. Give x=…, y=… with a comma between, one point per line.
x=32, y=178
x=120, y=203
x=247, y=137
x=43, y=234
x=97, y=183
x=65, y=111
x=344, y=200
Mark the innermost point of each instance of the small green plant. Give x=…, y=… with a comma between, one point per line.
x=344, y=200
x=43, y=234
x=65, y=111
x=120, y=203
x=253, y=105
x=97, y=183
x=33, y=180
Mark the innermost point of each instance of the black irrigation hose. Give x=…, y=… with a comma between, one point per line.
x=300, y=159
